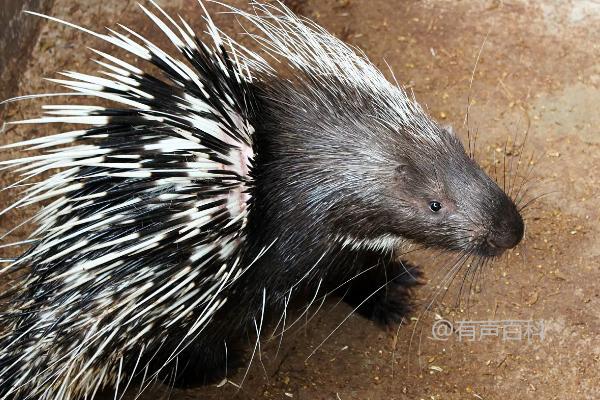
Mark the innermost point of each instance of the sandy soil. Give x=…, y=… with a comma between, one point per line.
x=538, y=77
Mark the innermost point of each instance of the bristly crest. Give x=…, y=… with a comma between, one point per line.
x=327, y=64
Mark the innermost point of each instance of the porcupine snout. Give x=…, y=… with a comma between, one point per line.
x=507, y=230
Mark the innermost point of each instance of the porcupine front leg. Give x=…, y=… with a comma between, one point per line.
x=383, y=292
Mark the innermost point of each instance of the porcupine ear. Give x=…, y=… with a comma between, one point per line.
x=143, y=195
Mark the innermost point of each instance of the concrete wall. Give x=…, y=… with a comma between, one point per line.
x=18, y=32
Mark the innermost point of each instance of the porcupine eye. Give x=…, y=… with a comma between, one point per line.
x=435, y=206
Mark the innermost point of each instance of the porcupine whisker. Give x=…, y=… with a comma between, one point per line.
x=448, y=278
x=457, y=267
x=466, y=119
x=437, y=253
x=531, y=192
x=348, y=281
x=495, y=164
x=482, y=264
x=465, y=275
x=532, y=185
x=333, y=306
x=475, y=265
x=452, y=271
x=527, y=178
x=510, y=177
x=182, y=346
x=462, y=291
x=457, y=257
x=143, y=385
x=392, y=73
x=154, y=376
x=518, y=180
x=286, y=298
x=524, y=252
x=468, y=276
x=395, y=346
x=536, y=198
x=504, y=165
x=475, y=137
x=308, y=272
x=284, y=329
x=480, y=277
x=516, y=174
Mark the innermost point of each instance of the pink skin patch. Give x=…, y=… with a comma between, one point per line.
x=241, y=157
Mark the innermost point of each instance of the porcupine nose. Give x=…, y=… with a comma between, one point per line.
x=509, y=229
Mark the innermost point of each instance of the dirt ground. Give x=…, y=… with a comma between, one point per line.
x=538, y=77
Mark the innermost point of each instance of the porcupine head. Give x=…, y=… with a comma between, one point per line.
x=343, y=156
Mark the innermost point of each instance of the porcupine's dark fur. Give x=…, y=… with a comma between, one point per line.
x=211, y=195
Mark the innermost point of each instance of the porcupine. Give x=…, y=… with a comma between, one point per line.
x=207, y=195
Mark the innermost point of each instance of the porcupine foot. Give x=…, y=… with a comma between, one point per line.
x=389, y=304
